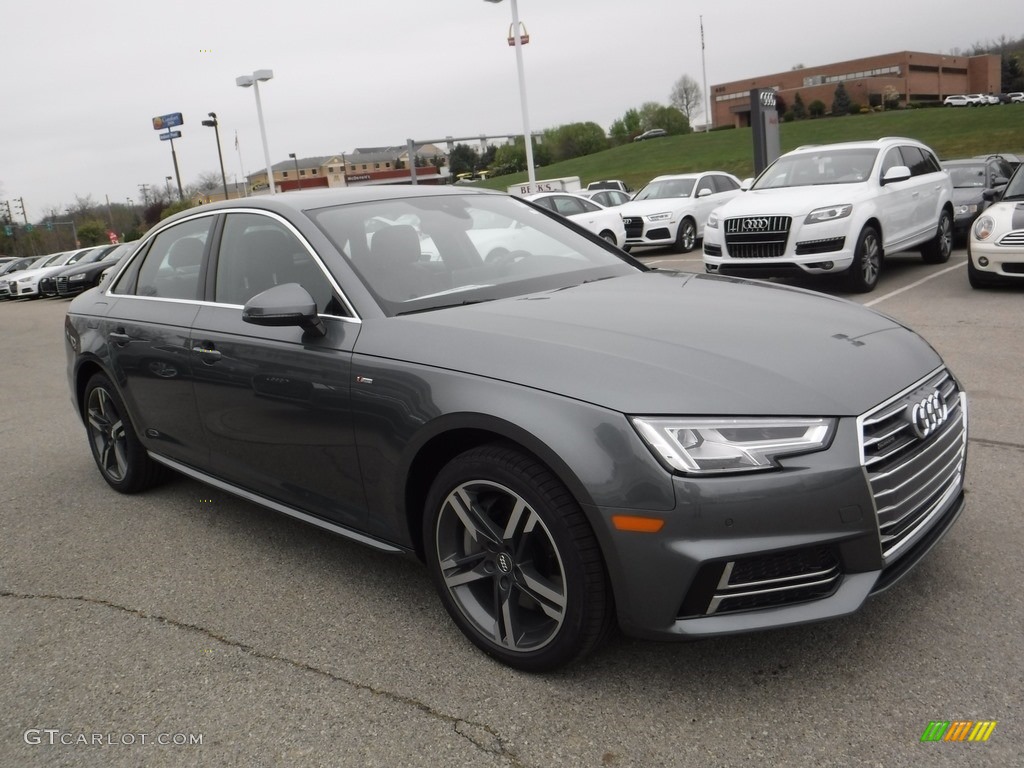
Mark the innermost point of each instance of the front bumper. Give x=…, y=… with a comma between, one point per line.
x=811, y=542
x=640, y=231
x=793, y=248
x=1001, y=256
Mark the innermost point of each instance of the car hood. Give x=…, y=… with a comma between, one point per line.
x=36, y=273
x=669, y=343
x=656, y=205
x=791, y=201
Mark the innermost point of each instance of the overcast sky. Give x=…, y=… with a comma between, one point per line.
x=83, y=80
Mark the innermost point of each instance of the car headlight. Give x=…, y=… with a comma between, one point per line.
x=984, y=227
x=712, y=220
x=664, y=216
x=966, y=209
x=829, y=213
x=718, y=445
x=76, y=278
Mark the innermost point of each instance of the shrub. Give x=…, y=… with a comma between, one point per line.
x=816, y=108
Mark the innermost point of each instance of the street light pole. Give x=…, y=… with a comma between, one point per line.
x=254, y=80
x=212, y=123
x=167, y=182
x=527, y=137
x=297, y=179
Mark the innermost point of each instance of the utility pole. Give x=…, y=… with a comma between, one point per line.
x=145, y=194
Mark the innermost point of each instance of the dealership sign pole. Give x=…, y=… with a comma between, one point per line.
x=167, y=122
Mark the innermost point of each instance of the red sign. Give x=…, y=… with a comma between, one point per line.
x=113, y=237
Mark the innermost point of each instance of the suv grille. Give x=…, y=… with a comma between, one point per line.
x=913, y=449
x=62, y=285
x=757, y=237
x=634, y=226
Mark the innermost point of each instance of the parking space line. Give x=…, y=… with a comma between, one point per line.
x=922, y=281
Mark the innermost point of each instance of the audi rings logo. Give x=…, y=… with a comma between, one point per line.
x=505, y=562
x=755, y=224
x=929, y=414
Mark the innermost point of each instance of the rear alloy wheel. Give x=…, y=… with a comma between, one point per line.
x=938, y=249
x=686, y=236
x=862, y=276
x=609, y=237
x=119, y=455
x=515, y=561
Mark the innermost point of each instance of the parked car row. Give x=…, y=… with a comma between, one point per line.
x=66, y=273
x=983, y=99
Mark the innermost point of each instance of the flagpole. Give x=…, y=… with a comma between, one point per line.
x=241, y=165
x=704, y=67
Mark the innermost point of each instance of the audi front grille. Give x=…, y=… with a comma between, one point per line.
x=913, y=448
x=757, y=237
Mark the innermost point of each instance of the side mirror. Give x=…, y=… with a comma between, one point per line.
x=896, y=173
x=704, y=192
x=282, y=305
x=747, y=183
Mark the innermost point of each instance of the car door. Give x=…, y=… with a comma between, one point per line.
x=897, y=202
x=926, y=178
x=274, y=402
x=711, y=191
x=151, y=308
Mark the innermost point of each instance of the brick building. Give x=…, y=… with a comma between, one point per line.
x=913, y=76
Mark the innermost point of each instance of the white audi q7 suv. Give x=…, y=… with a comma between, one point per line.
x=835, y=208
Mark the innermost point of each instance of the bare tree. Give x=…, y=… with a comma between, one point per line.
x=687, y=97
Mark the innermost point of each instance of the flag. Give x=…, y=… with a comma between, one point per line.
x=236, y=141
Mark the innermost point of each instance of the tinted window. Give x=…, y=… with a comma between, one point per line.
x=724, y=183
x=258, y=252
x=892, y=159
x=170, y=269
x=915, y=159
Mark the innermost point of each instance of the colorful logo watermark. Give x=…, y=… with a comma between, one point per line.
x=959, y=730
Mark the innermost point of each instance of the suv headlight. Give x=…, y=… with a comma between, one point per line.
x=718, y=445
x=829, y=213
x=712, y=220
x=663, y=216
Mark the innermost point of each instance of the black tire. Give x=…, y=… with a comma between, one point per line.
x=686, y=236
x=862, y=275
x=119, y=456
x=514, y=560
x=938, y=249
x=608, y=237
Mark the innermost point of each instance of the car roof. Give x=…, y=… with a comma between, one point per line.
x=863, y=144
x=668, y=176
x=311, y=199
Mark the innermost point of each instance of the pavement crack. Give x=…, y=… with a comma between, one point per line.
x=482, y=736
x=995, y=443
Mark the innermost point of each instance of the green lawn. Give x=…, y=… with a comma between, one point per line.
x=951, y=132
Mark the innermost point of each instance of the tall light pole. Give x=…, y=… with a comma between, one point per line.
x=254, y=80
x=527, y=137
x=297, y=179
x=212, y=123
x=167, y=181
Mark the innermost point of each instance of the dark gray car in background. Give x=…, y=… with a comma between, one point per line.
x=568, y=439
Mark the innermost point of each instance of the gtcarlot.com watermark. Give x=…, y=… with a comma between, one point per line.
x=58, y=737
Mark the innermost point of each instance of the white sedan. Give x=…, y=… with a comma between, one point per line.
x=672, y=210
x=602, y=221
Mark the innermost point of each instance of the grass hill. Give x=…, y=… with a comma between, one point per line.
x=951, y=132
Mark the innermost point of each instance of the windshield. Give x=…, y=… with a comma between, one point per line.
x=829, y=166
x=1015, y=189
x=666, y=188
x=421, y=253
x=966, y=176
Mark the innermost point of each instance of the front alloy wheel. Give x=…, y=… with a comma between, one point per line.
x=686, y=236
x=863, y=273
x=514, y=560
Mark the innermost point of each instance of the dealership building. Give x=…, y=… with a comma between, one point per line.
x=910, y=76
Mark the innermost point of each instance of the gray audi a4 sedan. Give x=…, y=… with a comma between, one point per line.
x=568, y=439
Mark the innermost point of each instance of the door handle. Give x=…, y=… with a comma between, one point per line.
x=209, y=355
x=119, y=337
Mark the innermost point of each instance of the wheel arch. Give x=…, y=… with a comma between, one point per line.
x=456, y=433
x=85, y=371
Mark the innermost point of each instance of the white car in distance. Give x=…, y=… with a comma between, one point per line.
x=672, y=210
x=603, y=222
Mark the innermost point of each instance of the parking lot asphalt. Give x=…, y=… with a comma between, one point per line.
x=187, y=627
